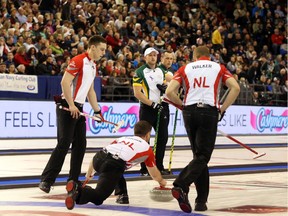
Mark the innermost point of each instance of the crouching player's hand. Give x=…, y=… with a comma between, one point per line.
x=163, y=183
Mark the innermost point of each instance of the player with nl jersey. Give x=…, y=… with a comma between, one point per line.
x=145, y=89
x=201, y=80
x=111, y=162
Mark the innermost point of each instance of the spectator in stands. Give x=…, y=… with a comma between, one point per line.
x=284, y=48
x=66, y=10
x=40, y=42
x=130, y=70
x=217, y=38
x=11, y=44
x=20, y=14
x=29, y=44
x=243, y=97
x=102, y=71
x=13, y=18
x=134, y=9
x=279, y=11
x=51, y=65
x=123, y=31
x=224, y=55
x=269, y=87
x=21, y=69
x=64, y=65
x=109, y=54
x=56, y=49
x=11, y=69
x=277, y=40
x=36, y=31
x=66, y=42
x=261, y=84
x=231, y=65
x=3, y=68
x=255, y=98
x=276, y=87
x=229, y=42
x=29, y=22
x=285, y=88
x=10, y=59
x=119, y=22
x=42, y=68
x=253, y=74
x=137, y=60
x=283, y=75
x=110, y=66
x=80, y=48
x=263, y=64
x=57, y=32
x=114, y=40
x=42, y=52
x=159, y=43
x=137, y=31
x=21, y=57
x=80, y=23
x=117, y=66
x=239, y=73
x=239, y=14
x=99, y=26
x=4, y=49
x=122, y=81
x=252, y=31
x=74, y=52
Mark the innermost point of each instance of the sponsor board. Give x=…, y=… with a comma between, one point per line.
x=36, y=119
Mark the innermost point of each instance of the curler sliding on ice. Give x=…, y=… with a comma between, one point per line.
x=115, y=129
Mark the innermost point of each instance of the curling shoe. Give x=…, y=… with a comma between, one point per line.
x=45, y=186
x=182, y=199
x=72, y=190
x=122, y=199
x=200, y=207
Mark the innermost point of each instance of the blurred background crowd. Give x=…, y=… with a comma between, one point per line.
x=248, y=37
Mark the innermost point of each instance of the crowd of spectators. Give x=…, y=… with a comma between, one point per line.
x=249, y=37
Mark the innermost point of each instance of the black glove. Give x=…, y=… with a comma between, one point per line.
x=98, y=116
x=157, y=106
x=162, y=88
x=220, y=116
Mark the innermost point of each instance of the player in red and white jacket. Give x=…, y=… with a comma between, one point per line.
x=201, y=81
x=77, y=84
x=111, y=163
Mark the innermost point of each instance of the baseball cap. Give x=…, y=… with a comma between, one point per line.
x=150, y=50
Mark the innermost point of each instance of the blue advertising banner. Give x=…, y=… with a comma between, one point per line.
x=37, y=119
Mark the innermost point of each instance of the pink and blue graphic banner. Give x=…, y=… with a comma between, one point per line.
x=37, y=119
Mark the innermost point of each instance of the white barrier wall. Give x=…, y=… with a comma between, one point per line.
x=36, y=119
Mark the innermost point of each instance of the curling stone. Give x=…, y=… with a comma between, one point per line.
x=161, y=194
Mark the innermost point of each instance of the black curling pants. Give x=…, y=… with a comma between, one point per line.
x=150, y=115
x=69, y=130
x=201, y=127
x=110, y=174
